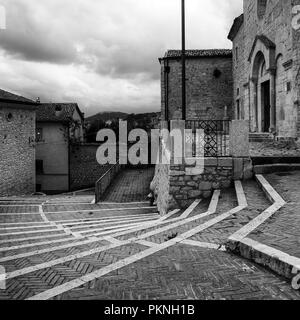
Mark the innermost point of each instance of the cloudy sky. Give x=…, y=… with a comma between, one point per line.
x=102, y=53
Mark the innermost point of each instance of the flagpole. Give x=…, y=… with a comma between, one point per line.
x=183, y=60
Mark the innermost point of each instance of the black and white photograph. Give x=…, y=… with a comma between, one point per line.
x=149, y=152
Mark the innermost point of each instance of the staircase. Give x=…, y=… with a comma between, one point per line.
x=261, y=137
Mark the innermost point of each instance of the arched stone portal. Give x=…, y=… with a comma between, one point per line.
x=262, y=85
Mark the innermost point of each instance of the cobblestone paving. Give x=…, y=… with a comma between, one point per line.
x=64, y=247
x=130, y=185
x=283, y=230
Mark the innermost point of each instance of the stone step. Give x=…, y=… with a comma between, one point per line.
x=260, y=137
x=256, y=161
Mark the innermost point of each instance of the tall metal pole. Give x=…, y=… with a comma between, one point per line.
x=183, y=60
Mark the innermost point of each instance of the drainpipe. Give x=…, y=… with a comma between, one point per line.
x=183, y=60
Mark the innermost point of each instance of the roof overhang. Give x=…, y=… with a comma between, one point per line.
x=237, y=24
x=19, y=104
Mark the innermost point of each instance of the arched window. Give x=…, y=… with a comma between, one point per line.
x=261, y=8
x=263, y=70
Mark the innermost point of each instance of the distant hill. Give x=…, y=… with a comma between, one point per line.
x=106, y=116
x=146, y=121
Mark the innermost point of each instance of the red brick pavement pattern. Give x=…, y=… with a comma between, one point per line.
x=130, y=186
x=282, y=231
x=184, y=272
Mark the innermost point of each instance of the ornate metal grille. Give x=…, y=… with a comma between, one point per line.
x=215, y=138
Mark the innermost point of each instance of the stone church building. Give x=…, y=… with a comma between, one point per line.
x=208, y=84
x=266, y=67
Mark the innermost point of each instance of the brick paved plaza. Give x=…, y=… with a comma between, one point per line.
x=64, y=247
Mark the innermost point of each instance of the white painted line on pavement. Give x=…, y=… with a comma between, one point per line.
x=37, y=267
x=31, y=232
x=28, y=227
x=115, y=222
x=20, y=224
x=101, y=210
x=77, y=211
x=48, y=294
x=169, y=215
x=263, y=217
x=121, y=203
x=18, y=205
x=191, y=209
x=123, y=226
x=32, y=238
x=105, y=219
x=3, y=249
x=205, y=245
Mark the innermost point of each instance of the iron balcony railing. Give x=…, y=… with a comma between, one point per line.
x=214, y=140
x=105, y=181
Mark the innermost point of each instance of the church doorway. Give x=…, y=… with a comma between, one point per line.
x=266, y=106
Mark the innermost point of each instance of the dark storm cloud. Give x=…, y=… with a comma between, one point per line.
x=102, y=52
x=31, y=38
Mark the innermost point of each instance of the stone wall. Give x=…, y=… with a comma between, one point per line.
x=296, y=67
x=84, y=168
x=185, y=188
x=207, y=95
x=17, y=150
x=275, y=24
x=175, y=186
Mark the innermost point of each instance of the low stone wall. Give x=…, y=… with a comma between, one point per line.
x=185, y=186
x=177, y=186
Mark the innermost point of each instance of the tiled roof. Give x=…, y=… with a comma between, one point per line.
x=56, y=112
x=199, y=53
x=238, y=22
x=5, y=95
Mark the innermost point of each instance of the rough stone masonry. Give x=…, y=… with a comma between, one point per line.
x=266, y=67
x=17, y=156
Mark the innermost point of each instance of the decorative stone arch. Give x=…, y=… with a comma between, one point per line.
x=262, y=47
x=262, y=86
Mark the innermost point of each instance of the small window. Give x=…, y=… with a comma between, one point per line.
x=9, y=117
x=261, y=8
x=217, y=73
x=237, y=54
x=238, y=110
x=39, y=134
x=39, y=165
x=288, y=86
x=238, y=91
